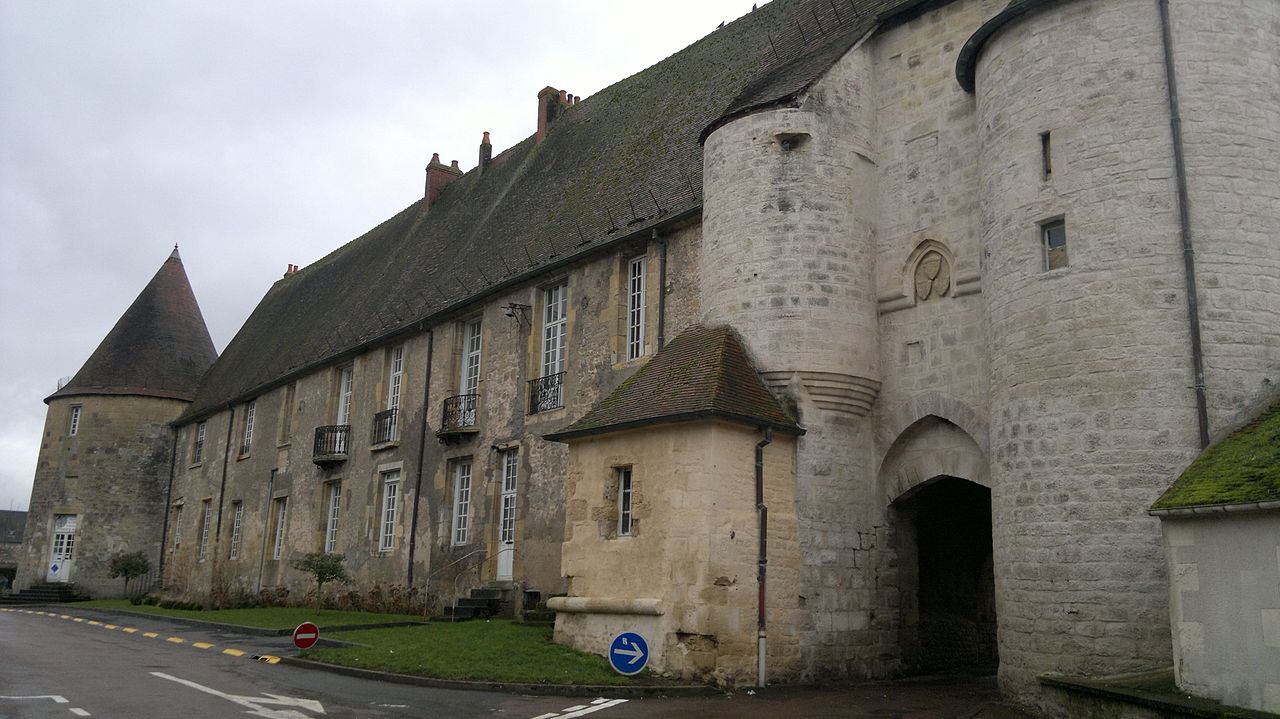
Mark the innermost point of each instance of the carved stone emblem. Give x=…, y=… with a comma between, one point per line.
x=933, y=276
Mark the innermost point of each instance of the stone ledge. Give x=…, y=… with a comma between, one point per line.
x=606, y=605
x=1153, y=691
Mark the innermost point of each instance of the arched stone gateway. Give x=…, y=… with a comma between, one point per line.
x=948, y=600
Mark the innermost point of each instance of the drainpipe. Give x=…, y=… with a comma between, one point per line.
x=1184, y=218
x=168, y=497
x=422, y=451
x=763, y=560
x=266, y=522
x=662, y=288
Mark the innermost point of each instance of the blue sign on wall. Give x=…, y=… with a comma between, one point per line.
x=628, y=653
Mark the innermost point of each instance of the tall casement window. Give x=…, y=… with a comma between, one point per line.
x=331, y=521
x=246, y=442
x=206, y=518
x=344, y=396
x=1053, y=238
x=286, y=414
x=197, y=447
x=177, y=528
x=623, y=475
x=279, y=516
x=386, y=425
x=73, y=425
x=237, y=525
x=461, y=501
x=470, y=382
x=547, y=392
x=635, y=306
x=510, y=471
x=390, y=510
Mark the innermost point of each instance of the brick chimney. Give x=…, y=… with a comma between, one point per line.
x=550, y=103
x=439, y=175
x=486, y=152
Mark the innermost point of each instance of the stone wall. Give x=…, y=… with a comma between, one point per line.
x=692, y=552
x=113, y=475
x=1224, y=583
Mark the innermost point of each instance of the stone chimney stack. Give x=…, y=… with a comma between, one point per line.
x=486, y=153
x=439, y=175
x=551, y=102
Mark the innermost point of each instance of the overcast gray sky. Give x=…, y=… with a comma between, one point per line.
x=254, y=135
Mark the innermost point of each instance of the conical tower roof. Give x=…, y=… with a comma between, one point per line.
x=160, y=347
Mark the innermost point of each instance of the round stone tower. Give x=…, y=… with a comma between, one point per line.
x=787, y=260
x=107, y=449
x=1094, y=410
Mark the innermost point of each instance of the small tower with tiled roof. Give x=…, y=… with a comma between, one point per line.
x=105, y=456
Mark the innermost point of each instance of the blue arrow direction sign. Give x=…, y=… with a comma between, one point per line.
x=628, y=653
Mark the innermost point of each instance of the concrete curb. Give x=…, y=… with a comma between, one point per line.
x=564, y=690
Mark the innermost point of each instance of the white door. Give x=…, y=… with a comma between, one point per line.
x=64, y=544
x=507, y=528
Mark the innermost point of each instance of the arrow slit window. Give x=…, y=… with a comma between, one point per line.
x=625, y=523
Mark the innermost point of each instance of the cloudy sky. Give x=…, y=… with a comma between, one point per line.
x=254, y=135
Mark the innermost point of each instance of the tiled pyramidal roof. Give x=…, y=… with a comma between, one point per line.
x=611, y=166
x=1242, y=468
x=703, y=373
x=160, y=347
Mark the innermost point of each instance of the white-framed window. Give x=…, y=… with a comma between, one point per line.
x=390, y=510
x=237, y=525
x=177, y=528
x=246, y=443
x=279, y=517
x=331, y=521
x=461, y=501
x=197, y=447
x=555, y=312
x=344, y=396
x=510, y=473
x=624, y=501
x=636, y=273
x=1053, y=239
x=470, y=381
x=206, y=518
x=395, y=376
x=73, y=426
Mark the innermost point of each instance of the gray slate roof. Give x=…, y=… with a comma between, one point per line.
x=160, y=346
x=703, y=373
x=612, y=166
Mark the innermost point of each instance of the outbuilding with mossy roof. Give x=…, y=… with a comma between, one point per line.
x=1221, y=525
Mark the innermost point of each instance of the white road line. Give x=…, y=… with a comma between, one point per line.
x=79, y=712
x=551, y=715
x=582, y=710
x=255, y=703
x=56, y=699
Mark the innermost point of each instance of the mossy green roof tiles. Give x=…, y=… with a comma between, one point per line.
x=1243, y=468
x=612, y=166
x=702, y=373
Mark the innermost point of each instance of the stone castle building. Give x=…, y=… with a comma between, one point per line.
x=855, y=339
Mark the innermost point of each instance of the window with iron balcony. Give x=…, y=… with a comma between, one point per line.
x=461, y=411
x=332, y=442
x=547, y=392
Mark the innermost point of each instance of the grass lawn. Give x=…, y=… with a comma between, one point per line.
x=268, y=617
x=493, y=651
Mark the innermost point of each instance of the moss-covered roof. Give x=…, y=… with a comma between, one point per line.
x=160, y=346
x=1243, y=468
x=612, y=166
x=702, y=373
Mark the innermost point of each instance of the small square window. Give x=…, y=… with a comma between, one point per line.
x=1053, y=237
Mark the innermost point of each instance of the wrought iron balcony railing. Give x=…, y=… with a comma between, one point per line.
x=386, y=426
x=332, y=443
x=546, y=393
x=459, y=413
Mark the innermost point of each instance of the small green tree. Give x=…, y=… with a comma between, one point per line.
x=130, y=566
x=323, y=568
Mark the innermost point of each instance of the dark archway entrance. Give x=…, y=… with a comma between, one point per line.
x=945, y=568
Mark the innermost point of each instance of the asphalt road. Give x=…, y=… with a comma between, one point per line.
x=108, y=665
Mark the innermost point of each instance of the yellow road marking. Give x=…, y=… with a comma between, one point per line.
x=96, y=624
x=176, y=640
x=76, y=619
x=110, y=626
x=64, y=616
x=130, y=630
x=151, y=635
x=268, y=659
x=202, y=645
x=233, y=652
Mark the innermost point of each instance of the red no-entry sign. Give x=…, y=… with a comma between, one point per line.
x=306, y=635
